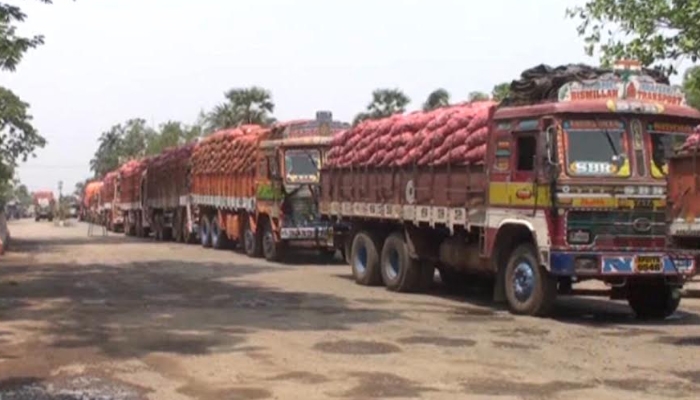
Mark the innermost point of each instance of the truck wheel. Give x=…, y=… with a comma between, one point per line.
x=272, y=250
x=529, y=290
x=158, y=227
x=219, y=240
x=364, y=260
x=205, y=231
x=400, y=272
x=128, y=227
x=187, y=235
x=653, y=300
x=177, y=226
x=252, y=243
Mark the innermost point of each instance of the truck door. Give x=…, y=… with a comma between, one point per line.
x=523, y=187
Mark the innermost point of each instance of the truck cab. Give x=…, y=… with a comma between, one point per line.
x=586, y=178
x=288, y=184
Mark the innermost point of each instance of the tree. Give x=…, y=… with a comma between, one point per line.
x=500, y=91
x=12, y=46
x=171, y=134
x=691, y=86
x=24, y=198
x=655, y=32
x=478, y=96
x=18, y=138
x=108, y=152
x=438, y=98
x=252, y=105
x=385, y=102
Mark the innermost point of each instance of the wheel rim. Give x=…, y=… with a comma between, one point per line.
x=394, y=264
x=215, y=233
x=361, y=260
x=204, y=233
x=523, y=281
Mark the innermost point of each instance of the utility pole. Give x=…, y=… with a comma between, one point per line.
x=60, y=200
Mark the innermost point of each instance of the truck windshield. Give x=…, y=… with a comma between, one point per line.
x=302, y=166
x=596, y=148
x=663, y=145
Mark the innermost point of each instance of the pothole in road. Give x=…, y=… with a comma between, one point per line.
x=437, y=341
x=309, y=378
x=359, y=347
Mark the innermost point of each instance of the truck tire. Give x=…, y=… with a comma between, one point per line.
x=128, y=226
x=205, y=231
x=158, y=227
x=364, y=259
x=219, y=240
x=177, y=226
x=400, y=272
x=252, y=243
x=272, y=250
x=529, y=288
x=652, y=300
x=188, y=236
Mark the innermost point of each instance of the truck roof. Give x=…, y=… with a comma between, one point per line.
x=611, y=106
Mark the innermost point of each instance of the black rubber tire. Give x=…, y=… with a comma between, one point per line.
x=252, y=243
x=158, y=227
x=219, y=240
x=271, y=249
x=205, y=231
x=364, y=259
x=177, y=226
x=540, y=300
x=652, y=300
x=400, y=272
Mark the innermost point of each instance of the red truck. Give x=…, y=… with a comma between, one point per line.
x=130, y=197
x=684, y=195
x=536, y=196
x=44, y=205
x=109, y=214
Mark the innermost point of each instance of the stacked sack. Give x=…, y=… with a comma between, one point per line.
x=107, y=189
x=450, y=135
x=91, y=191
x=229, y=151
x=130, y=180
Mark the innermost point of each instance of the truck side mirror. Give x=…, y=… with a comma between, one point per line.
x=550, y=145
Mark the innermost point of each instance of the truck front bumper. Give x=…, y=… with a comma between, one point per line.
x=625, y=264
x=321, y=236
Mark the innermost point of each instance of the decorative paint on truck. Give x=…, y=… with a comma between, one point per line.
x=566, y=191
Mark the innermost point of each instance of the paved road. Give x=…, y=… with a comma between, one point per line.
x=118, y=318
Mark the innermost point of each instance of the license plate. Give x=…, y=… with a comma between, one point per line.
x=649, y=264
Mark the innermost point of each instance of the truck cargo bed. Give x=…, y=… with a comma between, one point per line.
x=451, y=195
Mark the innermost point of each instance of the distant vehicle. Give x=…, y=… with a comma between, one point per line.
x=73, y=210
x=44, y=205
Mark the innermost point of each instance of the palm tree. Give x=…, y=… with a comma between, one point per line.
x=438, y=98
x=478, y=96
x=385, y=102
x=500, y=91
x=243, y=106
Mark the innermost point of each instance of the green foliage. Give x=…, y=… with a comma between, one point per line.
x=478, y=96
x=438, y=98
x=651, y=31
x=252, y=105
x=22, y=195
x=385, y=102
x=18, y=138
x=135, y=139
x=13, y=46
x=500, y=91
x=691, y=86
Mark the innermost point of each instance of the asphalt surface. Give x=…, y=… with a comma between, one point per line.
x=119, y=318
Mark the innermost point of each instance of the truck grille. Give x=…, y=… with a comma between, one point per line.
x=618, y=223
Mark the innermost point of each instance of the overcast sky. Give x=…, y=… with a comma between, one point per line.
x=106, y=61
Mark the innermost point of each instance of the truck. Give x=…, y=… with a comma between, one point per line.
x=683, y=208
x=166, y=195
x=129, y=192
x=89, y=203
x=44, y=205
x=259, y=187
x=109, y=214
x=565, y=185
